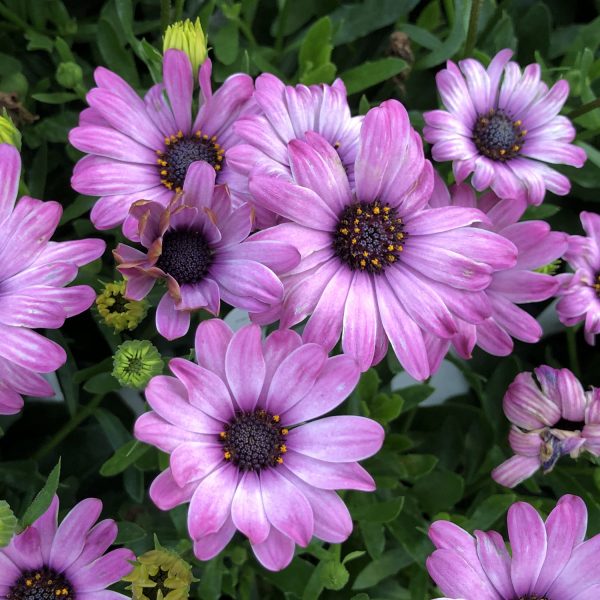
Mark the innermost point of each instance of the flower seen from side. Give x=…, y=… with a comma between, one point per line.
x=142, y=148
x=548, y=560
x=33, y=274
x=284, y=113
x=551, y=416
x=580, y=291
x=537, y=246
x=248, y=449
x=190, y=39
x=503, y=126
x=66, y=561
x=198, y=246
x=376, y=262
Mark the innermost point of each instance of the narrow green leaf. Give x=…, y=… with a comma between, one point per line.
x=124, y=457
x=371, y=73
x=43, y=499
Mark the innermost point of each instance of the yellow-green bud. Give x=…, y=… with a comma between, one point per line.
x=9, y=134
x=188, y=37
x=117, y=311
x=135, y=363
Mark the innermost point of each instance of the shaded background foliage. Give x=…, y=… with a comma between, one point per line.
x=437, y=457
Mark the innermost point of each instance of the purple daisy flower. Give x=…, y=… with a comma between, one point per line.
x=377, y=263
x=286, y=113
x=580, y=291
x=143, y=148
x=537, y=246
x=197, y=245
x=503, y=126
x=548, y=561
x=245, y=449
x=551, y=416
x=33, y=273
x=66, y=561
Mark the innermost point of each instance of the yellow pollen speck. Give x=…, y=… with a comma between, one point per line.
x=399, y=248
x=280, y=461
x=375, y=261
x=365, y=254
x=164, y=172
x=392, y=228
x=220, y=157
x=399, y=236
x=359, y=211
x=217, y=167
x=222, y=435
x=376, y=210
x=283, y=448
x=57, y=592
x=205, y=137
x=502, y=152
x=159, y=153
x=284, y=431
x=357, y=230
x=518, y=122
x=167, y=141
x=180, y=134
x=178, y=189
x=524, y=132
x=28, y=582
x=516, y=148
x=227, y=455
x=386, y=209
x=391, y=247
x=354, y=241
x=391, y=258
x=276, y=418
x=344, y=231
x=363, y=263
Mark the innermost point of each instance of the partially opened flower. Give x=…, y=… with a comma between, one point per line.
x=551, y=416
x=248, y=450
x=377, y=263
x=286, y=113
x=33, y=273
x=503, y=126
x=65, y=561
x=580, y=291
x=548, y=560
x=196, y=245
x=537, y=246
x=143, y=148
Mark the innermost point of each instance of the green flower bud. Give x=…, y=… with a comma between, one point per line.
x=118, y=312
x=160, y=574
x=135, y=363
x=9, y=134
x=188, y=37
x=550, y=268
x=69, y=74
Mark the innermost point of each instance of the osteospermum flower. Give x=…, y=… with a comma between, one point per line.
x=246, y=450
x=286, y=113
x=549, y=560
x=143, y=148
x=551, y=416
x=65, y=561
x=537, y=246
x=376, y=262
x=580, y=291
x=503, y=126
x=196, y=244
x=33, y=273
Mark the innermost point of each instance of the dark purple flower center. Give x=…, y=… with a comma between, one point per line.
x=186, y=256
x=369, y=236
x=41, y=584
x=497, y=136
x=254, y=441
x=181, y=151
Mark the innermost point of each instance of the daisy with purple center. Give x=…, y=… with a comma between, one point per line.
x=48, y=561
x=196, y=244
x=377, y=263
x=551, y=416
x=549, y=560
x=248, y=450
x=285, y=113
x=143, y=148
x=537, y=246
x=33, y=273
x=503, y=126
x=580, y=291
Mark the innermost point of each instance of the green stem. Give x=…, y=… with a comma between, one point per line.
x=585, y=108
x=165, y=14
x=179, y=9
x=69, y=426
x=572, y=350
x=281, y=26
x=449, y=10
x=472, y=34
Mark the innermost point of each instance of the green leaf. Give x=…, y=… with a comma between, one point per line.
x=379, y=512
x=371, y=73
x=129, y=532
x=77, y=208
x=440, y=490
x=316, y=48
x=385, y=408
x=55, y=97
x=8, y=523
x=323, y=74
x=114, y=53
x=43, y=499
x=227, y=42
x=368, y=385
x=414, y=466
x=124, y=457
x=413, y=395
x=489, y=511
x=386, y=566
x=101, y=384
